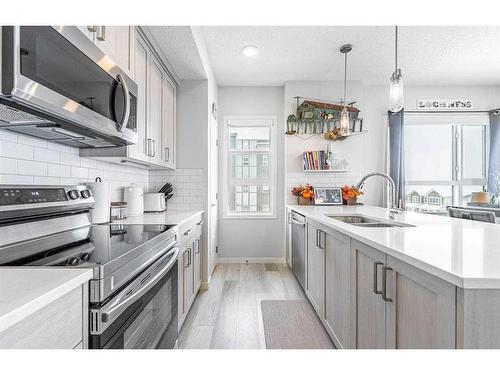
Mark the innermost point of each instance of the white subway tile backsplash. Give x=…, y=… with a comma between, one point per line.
x=79, y=172
x=6, y=135
x=8, y=165
x=33, y=168
x=15, y=179
x=26, y=160
x=46, y=155
x=56, y=170
x=16, y=150
x=70, y=159
x=43, y=180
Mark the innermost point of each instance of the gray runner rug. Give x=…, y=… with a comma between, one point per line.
x=293, y=325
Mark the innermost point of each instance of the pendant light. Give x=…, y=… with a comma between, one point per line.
x=396, y=91
x=344, y=114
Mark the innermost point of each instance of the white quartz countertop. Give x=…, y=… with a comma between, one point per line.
x=173, y=217
x=463, y=252
x=24, y=291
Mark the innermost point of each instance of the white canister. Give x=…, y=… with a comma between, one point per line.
x=133, y=195
x=101, y=192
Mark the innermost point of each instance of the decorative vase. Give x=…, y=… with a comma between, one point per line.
x=304, y=201
x=351, y=202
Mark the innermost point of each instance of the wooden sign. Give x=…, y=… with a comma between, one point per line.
x=444, y=104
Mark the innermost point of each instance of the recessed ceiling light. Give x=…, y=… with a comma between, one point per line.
x=249, y=51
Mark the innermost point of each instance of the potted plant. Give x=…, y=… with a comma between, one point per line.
x=350, y=195
x=304, y=194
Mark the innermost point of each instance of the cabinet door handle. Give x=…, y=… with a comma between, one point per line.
x=187, y=232
x=186, y=263
x=190, y=256
x=197, y=246
x=167, y=154
x=101, y=36
x=384, y=284
x=92, y=29
x=320, y=232
x=375, y=277
x=154, y=148
x=148, y=146
x=199, y=222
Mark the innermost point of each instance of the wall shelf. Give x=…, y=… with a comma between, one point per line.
x=326, y=170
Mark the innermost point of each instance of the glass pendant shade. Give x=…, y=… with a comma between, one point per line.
x=344, y=122
x=396, y=102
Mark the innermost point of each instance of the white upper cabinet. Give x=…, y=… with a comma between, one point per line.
x=116, y=41
x=156, y=99
x=141, y=78
x=155, y=111
x=168, y=133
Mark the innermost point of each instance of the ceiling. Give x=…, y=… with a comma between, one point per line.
x=437, y=55
x=178, y=43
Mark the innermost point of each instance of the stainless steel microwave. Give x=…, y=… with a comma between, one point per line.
x=56, y=84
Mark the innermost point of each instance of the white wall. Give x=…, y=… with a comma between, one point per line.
x=367, y=152
x=253, y=239
x=363, y=152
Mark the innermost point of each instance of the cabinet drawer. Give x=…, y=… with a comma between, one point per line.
x=58, y=325
x=188, y=229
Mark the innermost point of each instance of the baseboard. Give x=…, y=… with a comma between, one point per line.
x=250, y=260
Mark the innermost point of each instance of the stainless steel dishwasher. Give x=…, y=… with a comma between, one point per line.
x=299, y=247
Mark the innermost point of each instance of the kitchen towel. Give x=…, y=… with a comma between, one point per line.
x=100, y=212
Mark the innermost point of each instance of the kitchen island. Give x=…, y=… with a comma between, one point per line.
x=429, y=282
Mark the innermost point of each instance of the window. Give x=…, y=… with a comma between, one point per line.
x=249, y=167
x=446, y=159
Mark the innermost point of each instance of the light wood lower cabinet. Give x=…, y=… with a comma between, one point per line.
x=369, y=300
x=337, y=286
x=368, y=307
x=421, y=313
x=400, y=306
x=315, y=270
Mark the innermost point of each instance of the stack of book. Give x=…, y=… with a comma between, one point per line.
x=315, y=160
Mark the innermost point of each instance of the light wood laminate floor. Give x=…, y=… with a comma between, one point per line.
x=228, y=314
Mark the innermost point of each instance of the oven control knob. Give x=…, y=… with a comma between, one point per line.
x=73, y=194
x=85, y=194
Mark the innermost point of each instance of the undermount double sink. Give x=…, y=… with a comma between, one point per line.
x=367, y=222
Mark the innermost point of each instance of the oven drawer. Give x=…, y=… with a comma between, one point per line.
x=58, y=325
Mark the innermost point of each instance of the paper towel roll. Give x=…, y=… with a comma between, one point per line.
x=100, y=212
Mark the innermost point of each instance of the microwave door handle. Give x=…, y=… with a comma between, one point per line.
x=126, y=97
x=112, y=312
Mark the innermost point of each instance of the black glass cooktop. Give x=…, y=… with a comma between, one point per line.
x=91, y=245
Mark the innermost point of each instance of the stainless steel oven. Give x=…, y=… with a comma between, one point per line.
x=56, y=84
x=144, y=314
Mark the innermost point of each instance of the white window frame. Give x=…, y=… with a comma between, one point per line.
x=456, y=120
x=250, y=121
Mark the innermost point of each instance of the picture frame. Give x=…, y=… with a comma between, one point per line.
x=327, y=196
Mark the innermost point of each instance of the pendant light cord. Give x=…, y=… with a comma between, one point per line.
x=396, y=54
x=345, y=78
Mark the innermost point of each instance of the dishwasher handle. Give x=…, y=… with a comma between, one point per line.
x=295, y=221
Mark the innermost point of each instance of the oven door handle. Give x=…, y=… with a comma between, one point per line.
x=109, y=314
x=126, y=99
